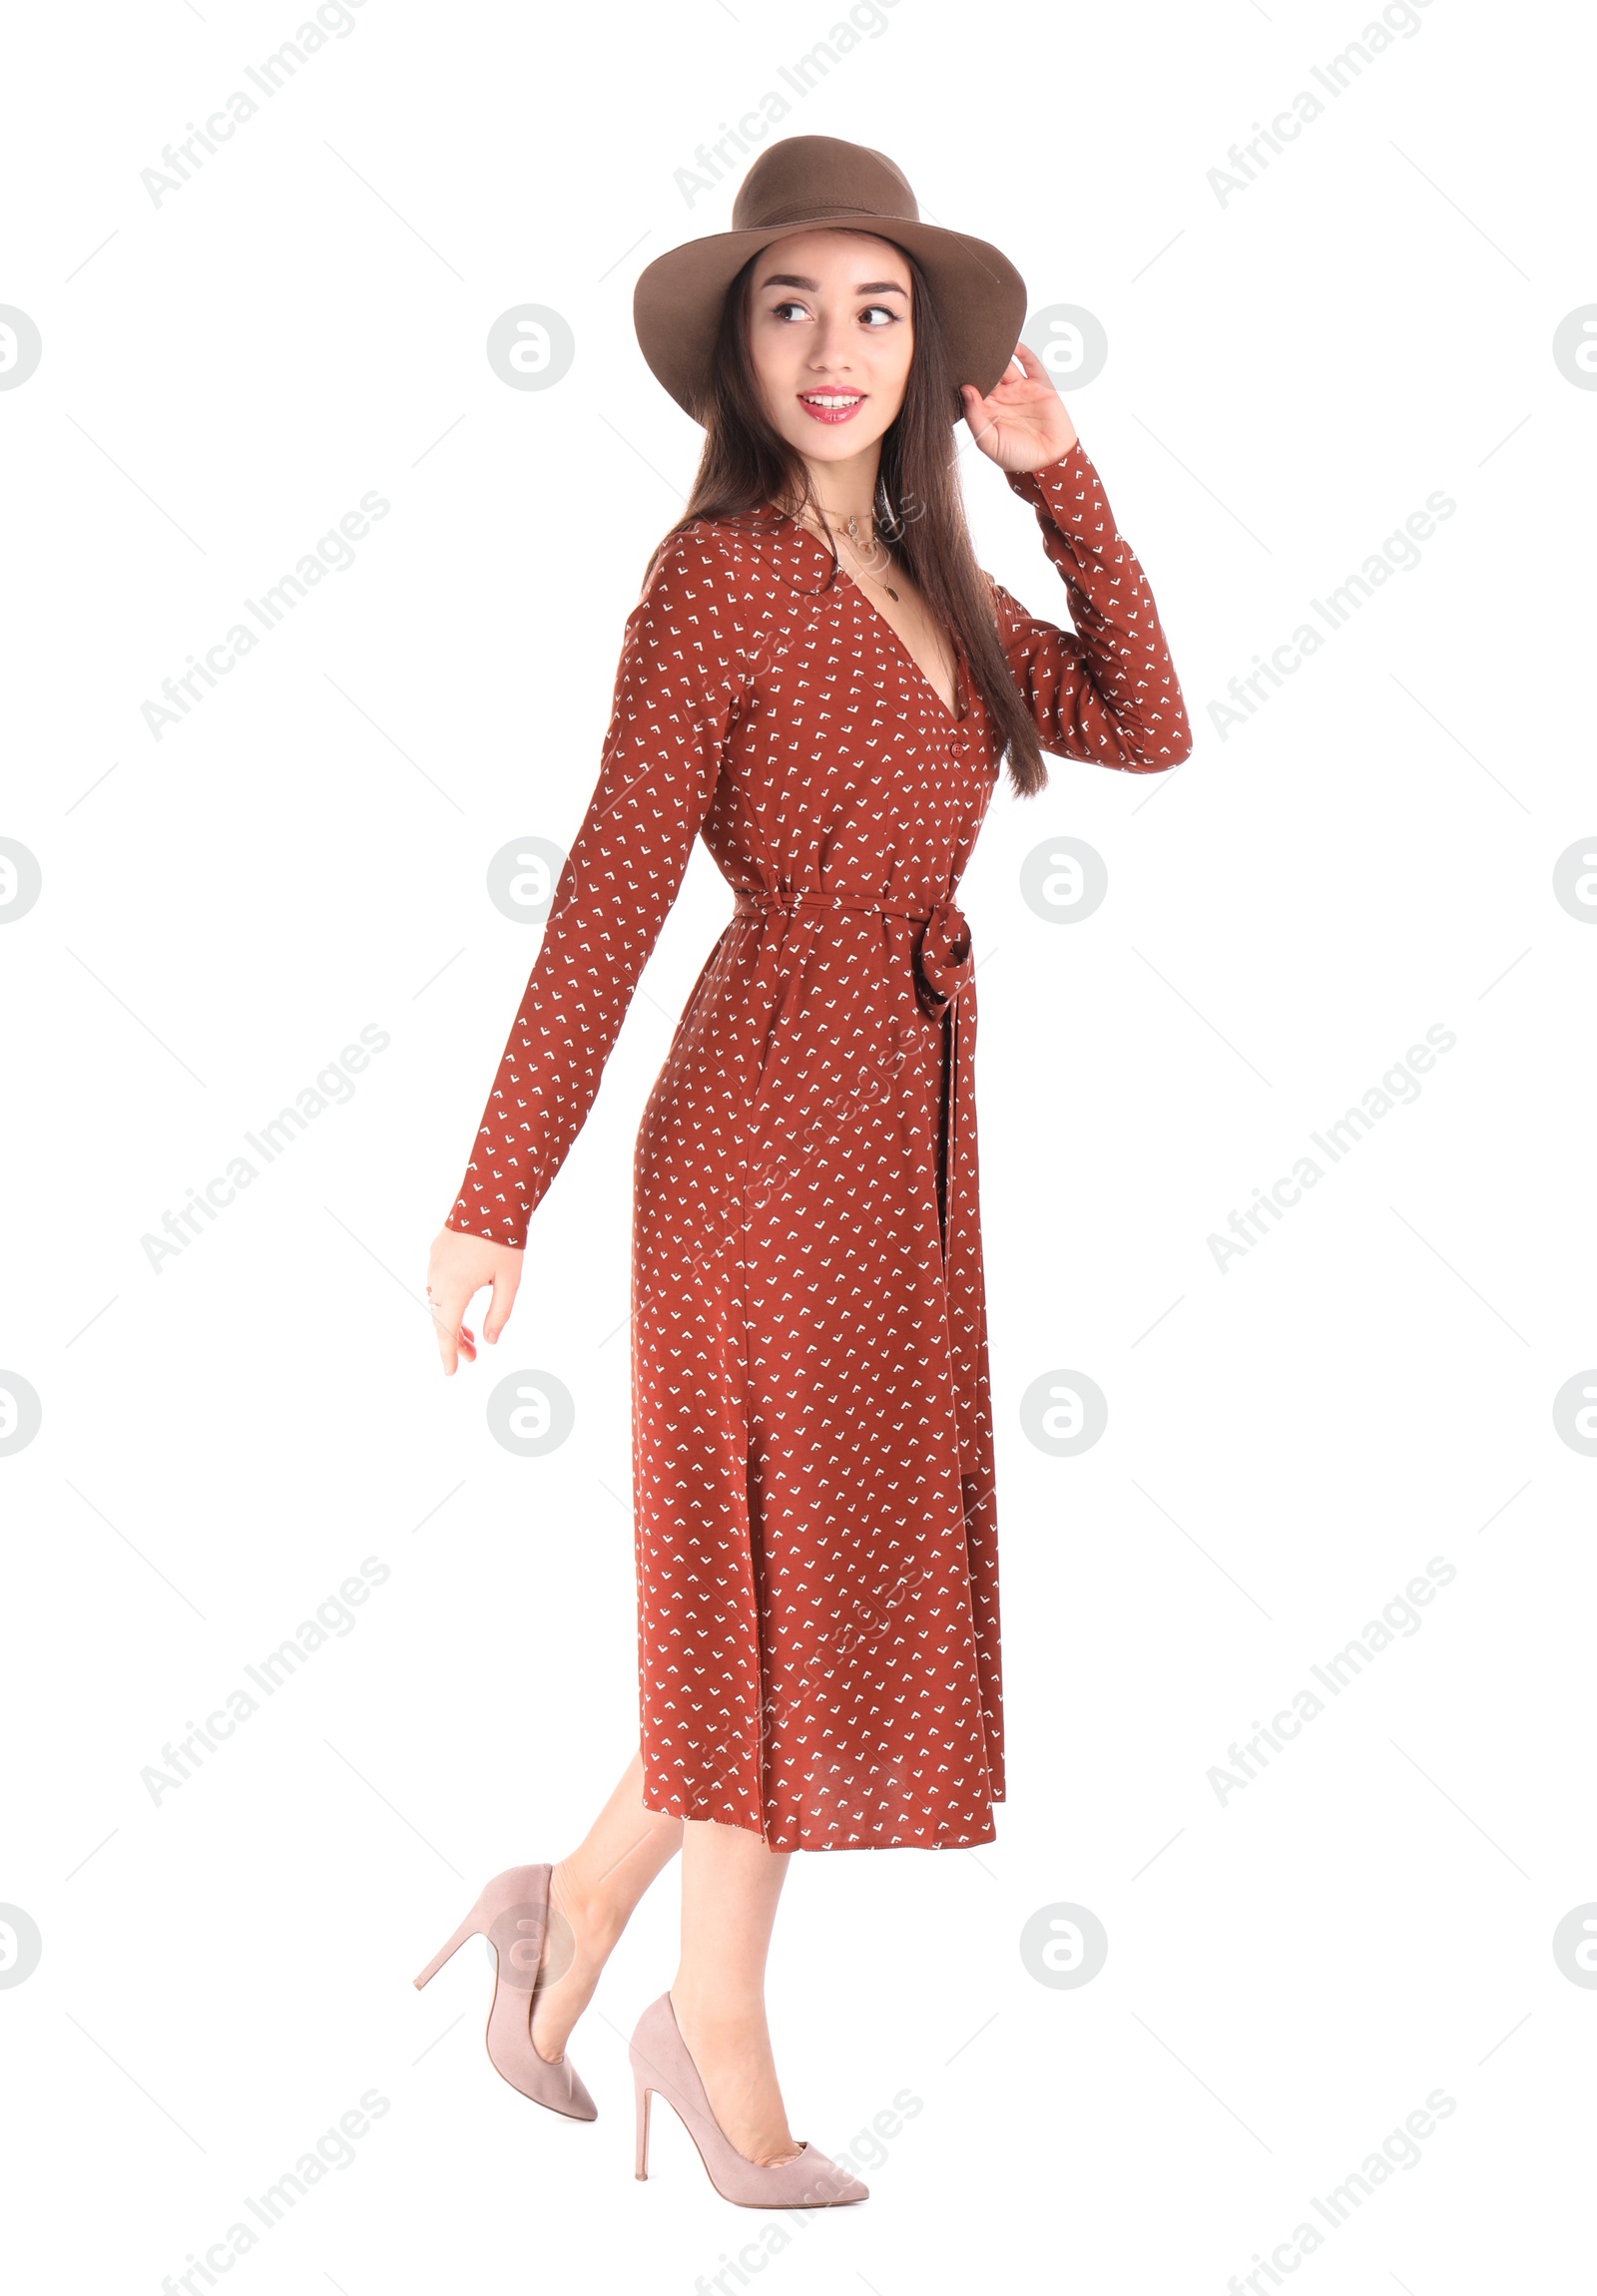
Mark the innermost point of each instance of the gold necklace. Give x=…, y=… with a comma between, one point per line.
x=851, y=529
x=851, y=522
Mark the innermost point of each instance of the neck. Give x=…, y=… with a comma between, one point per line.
x=846, y=489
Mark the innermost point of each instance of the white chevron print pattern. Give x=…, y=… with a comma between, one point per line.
x=812, y=1479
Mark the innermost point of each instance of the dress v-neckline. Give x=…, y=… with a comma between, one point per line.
x=954, y=717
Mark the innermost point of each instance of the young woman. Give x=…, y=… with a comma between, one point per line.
x=820, y=682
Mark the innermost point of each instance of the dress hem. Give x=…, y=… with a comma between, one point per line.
x=959, y=1841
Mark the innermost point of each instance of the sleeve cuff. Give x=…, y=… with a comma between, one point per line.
x=1037, y=485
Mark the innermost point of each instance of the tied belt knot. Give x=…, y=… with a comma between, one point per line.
x=944, y=977
x=943, y=963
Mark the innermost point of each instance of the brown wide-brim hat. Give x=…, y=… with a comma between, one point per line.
x=819, y=183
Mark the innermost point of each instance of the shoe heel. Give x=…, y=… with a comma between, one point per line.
x=640, y=2167
x=468, y=1928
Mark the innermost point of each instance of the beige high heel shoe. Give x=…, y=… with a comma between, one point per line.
x=513, y=1915
x=662, y=2066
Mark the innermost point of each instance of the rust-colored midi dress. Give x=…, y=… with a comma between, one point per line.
x=813, y=1451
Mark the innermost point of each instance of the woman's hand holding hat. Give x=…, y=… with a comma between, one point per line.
x=1022, y=423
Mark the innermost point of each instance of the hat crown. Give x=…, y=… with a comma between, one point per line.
x=803, y=178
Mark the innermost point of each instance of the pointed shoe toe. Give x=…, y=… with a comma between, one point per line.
x=823, y=2183
x=560, y=2087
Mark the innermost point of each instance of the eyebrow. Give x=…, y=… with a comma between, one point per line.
x=792, y=279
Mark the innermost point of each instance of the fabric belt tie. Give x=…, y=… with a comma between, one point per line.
x=945, y=978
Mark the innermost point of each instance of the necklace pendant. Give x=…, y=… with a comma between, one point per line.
x=892, y=592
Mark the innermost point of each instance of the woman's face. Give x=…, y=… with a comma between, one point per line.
x=831, y=334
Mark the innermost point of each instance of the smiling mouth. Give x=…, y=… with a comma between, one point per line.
x=830, y=405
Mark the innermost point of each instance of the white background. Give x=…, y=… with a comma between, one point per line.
x=1291, y=374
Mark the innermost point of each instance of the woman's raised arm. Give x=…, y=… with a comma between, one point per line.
x=1105, y=692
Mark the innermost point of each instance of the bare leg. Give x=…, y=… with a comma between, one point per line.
x=592, y=1895
x=730, y=1885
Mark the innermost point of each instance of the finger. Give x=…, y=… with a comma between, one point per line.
x=498, y=1315
x=1024, y=381
x=446, y=1311
x=976, y=414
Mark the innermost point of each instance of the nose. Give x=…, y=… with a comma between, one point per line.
x=829, y=353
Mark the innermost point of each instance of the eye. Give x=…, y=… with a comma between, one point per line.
x=870, y=312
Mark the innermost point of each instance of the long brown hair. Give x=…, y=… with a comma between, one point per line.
x=746, y=464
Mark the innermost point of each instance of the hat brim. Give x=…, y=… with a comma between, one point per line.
x=677, y=302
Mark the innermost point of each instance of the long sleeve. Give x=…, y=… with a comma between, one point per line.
x=681, y=678
x=1105, y=692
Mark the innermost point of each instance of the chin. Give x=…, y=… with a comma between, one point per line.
x=820, y=443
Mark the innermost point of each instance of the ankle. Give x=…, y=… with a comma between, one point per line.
x=594, y=1919
x=707, y=2006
